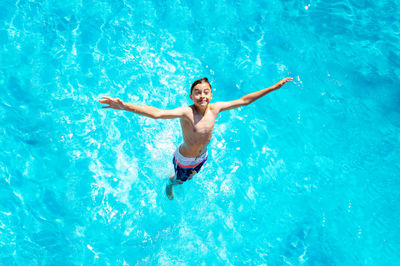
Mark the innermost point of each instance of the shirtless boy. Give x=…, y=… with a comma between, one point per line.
x=197, y=122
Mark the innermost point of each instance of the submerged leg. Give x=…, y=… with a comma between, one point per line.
x=168, y=188
x=172, y=182
x=192, y=174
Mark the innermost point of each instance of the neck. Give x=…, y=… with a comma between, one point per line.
x=200, y=110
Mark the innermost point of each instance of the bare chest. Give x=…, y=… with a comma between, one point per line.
x=199, y=125
x=204, y=126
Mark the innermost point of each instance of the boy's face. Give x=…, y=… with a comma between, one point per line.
x=201, y=95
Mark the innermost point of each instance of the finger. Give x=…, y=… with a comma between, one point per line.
x=105, y=107
x=107, y=98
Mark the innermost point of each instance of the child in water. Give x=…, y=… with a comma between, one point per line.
x=197, y=122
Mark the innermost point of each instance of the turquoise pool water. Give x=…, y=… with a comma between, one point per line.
x=307, y=175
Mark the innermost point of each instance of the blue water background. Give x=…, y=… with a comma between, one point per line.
x=307, y=175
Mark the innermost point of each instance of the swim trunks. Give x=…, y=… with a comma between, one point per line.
x=184, y=166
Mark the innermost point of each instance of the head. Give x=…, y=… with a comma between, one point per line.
x=201, y=93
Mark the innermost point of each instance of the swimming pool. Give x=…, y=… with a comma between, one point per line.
x=306, y=175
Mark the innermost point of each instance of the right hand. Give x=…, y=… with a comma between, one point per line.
x=283, y=81
x=116, y=103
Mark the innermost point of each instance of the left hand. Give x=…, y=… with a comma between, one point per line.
x=283, y=81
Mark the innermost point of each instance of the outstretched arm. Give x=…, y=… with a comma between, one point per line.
x=148, y=111
x=249, y=98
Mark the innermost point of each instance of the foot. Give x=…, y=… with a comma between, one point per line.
x=170, y=193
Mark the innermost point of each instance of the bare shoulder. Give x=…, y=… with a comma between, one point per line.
x=224, y=106
x=213, y=105
x=216, y=107
x=186, y=111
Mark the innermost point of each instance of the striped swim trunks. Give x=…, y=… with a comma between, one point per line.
x=184, y=166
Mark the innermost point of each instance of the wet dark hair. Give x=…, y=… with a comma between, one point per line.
x=199, y=81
